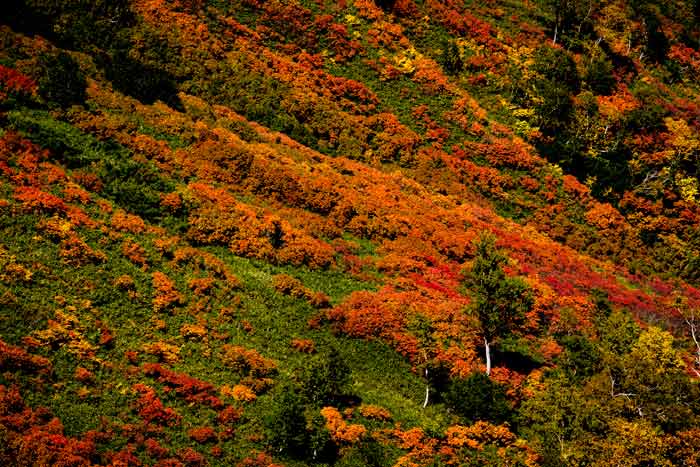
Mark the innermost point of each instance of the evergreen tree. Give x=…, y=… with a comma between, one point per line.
x=451, y=59
x=285, y=424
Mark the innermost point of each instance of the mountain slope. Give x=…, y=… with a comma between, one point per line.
x=248, y=233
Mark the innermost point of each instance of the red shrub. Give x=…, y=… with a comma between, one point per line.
x=152, y=410
x=12, y=81
x=189, y=388
x=33, y=437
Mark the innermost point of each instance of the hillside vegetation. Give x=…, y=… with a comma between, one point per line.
x=353, y=233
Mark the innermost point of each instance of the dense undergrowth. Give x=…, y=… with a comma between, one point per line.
x=261, y=233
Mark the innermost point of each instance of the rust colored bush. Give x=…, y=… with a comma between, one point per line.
x=83, y=375
x=201, y=286
x=303, y=345
x=36, y=200
x=74, y=251
x=375, y=412
x=229, y=415
x=154, y=449
x=247, y=361
x=123, y=222
x=34, y=437
x=134, y=252
x=15, y=358
x=202, y=435
x=151, y=408
x=192, y=458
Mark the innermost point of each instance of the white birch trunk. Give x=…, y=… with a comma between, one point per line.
x=488, y=356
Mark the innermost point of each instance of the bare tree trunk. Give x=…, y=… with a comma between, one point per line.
x=588, y=14
x=693, y=333
x=688, y=314
x=427, y=390
x=488, y=356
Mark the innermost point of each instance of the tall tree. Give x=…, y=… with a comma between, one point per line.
x=451, y=58
x=500, y=301
x=326, y=378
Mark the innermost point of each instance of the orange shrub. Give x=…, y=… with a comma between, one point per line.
x=165, y=294
x=167, y=353
x=247, y=361
x=83, y=375
x=478, y=434
x=134, y=252
x=154, y=449
x=239, y=392
x=340, y=430
x=73, y=193
x=229, y=415
x=604, y=216
x=375, y=412
x=124, y=222
x=288, y=285
x=258, y=460
x=171, y=201
x=56, y=227
x=193, y=331
x=221, y=219
x=35, y=200
x=74, y=251
x=201, y=285
x=303, y=345
x=11, y=270
x=124, y=282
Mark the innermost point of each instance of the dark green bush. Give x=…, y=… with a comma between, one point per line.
x=75, y=24
x=145, y=82
x=557, y=82
x=557, y=66
x=285, y=424
x=326, y=379
x=451, y=59
x=479, y=398
x=581, y=358
x=62, y=83
x=599, y=75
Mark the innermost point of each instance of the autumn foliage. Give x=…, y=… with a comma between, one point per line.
x=206, y=208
